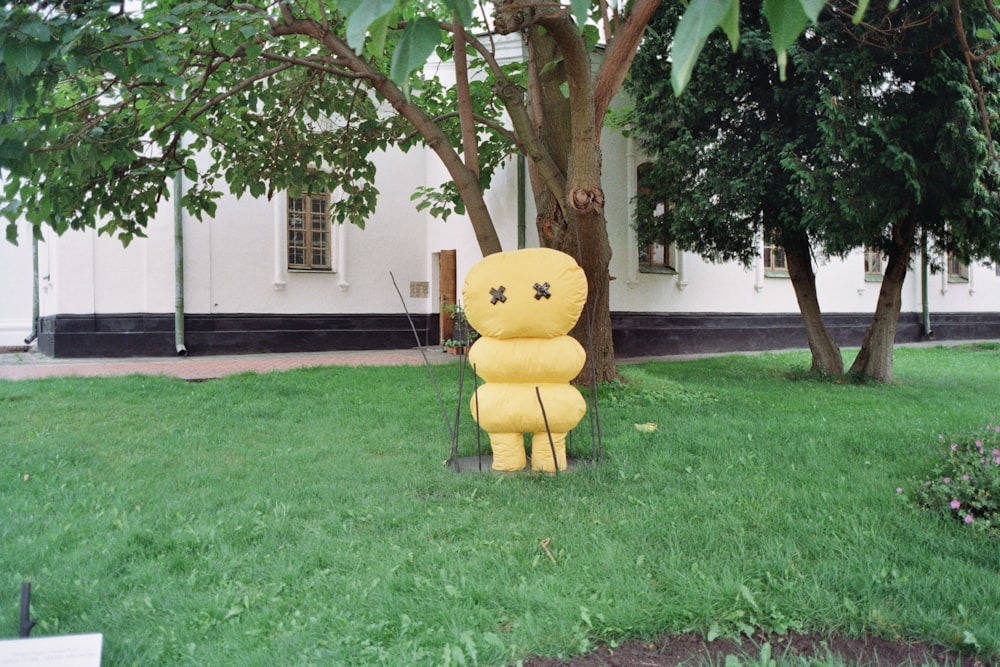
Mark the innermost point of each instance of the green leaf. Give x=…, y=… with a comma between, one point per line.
x=378, y=31
x=731, y=24
x=860, y=12
x=363, y=16
x=414, y=47
x=699, y=20
x=253, y=50
x=787, y=20
x=581, y=9
x=984, y=33
x=38, y=30
x=460, y=8
x=25, y=59
x=812, y=8
x=592, y=35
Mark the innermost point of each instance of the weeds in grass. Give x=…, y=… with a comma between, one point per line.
x=644, y=389
x=766, y=657
x=981, y=346
x=965, y=486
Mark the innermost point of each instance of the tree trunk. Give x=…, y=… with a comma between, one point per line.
x=572, y=220
x=874, y=359
x=585, y=237
x=826, y=357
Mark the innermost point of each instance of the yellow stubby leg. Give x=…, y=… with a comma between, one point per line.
x=508, y=451
x=541, y=452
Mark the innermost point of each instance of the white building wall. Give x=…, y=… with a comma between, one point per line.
x=235, y=262
x=68, y=276
x=15, y=289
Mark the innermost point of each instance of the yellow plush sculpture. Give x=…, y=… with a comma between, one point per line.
x=523, y=304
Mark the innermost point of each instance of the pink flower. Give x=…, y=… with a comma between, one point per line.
x=979, y=444
x=968, y=518
x=947, y=480
x=965, y=478
x=955, y=504
x=899, y=489
x=954, y=446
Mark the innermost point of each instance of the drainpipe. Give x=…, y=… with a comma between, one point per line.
x=34, y=290
x=925, y=306
x=179, y=266
x=521, y=202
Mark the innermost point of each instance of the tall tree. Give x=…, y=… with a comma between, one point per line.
x=101, y=101
x=872, y=135
x=719, y=149
x=913, y=131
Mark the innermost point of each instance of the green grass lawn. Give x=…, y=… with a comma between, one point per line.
x=307, y=517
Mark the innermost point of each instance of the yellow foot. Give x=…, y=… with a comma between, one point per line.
x=541, y=452
x=508, y=451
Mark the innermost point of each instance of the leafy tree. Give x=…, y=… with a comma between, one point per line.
x=100, y=103
x=873, y=136
x=721, y=147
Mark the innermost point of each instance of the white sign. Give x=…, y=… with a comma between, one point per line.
x=65, y=651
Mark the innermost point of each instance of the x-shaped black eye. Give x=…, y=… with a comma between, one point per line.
x=542, y=290
x=497, y=294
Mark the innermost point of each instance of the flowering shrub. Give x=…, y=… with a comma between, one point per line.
x=966, y=485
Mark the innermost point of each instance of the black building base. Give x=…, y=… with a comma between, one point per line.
x=152, y=335
x=635, y=334
x=658, y=334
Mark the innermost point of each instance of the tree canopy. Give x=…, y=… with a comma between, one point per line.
x=874, y=133
x=101, y=101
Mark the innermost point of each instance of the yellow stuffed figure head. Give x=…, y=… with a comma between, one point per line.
x=531, y=293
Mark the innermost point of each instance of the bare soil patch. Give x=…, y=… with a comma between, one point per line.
x=694, y=651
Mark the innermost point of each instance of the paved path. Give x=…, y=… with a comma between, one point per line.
x=32, y=365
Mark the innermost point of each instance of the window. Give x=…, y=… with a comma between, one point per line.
x=657, y=258
x=657, y=252
x=309, y=232
x=774, y=257
x=958, y=272
x=873, y=265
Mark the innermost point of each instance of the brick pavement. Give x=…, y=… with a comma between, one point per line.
x=32, y=365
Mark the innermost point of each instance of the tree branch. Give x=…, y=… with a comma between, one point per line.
x=482, y=120
x=956, y=13
x=464, y=97
x=525, y=135
x=619, y=54
x=242, y=85
x=466, y=181
x=582, y=180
